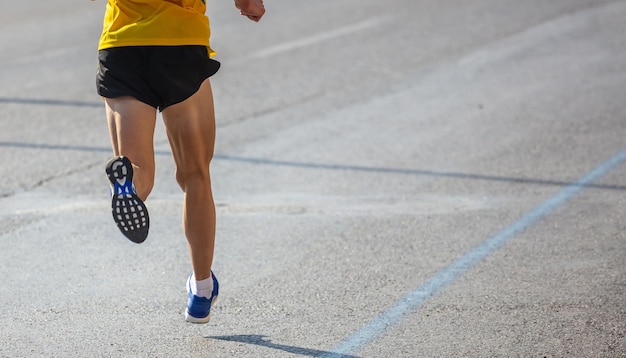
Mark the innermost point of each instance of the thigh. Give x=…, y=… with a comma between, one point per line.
x=131, y=126
x=190, y=127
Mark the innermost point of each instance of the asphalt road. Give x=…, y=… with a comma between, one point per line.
x=394, y=178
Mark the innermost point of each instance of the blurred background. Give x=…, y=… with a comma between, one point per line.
x=363, y=147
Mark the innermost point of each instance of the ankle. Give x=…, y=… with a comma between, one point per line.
x=201, y=288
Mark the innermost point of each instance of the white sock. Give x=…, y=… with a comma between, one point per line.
x=202, y=288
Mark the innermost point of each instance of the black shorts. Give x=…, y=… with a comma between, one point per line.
x=159, y=76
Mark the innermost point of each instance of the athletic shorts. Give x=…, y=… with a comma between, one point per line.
x=159, y=76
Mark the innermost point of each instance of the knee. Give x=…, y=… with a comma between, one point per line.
x=193, y=179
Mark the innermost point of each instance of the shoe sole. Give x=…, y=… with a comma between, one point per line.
x=129, y=212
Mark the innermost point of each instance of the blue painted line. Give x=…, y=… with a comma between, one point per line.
x=442, y=279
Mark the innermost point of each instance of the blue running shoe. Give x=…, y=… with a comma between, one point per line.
x=199, y=308
x=129, y=212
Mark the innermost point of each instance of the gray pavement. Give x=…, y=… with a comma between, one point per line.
x=393, y=179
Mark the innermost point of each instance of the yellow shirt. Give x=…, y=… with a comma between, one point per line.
x=155, y=23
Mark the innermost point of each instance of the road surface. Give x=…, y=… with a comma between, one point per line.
x=393, y=179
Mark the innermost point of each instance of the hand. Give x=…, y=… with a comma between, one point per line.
x=252, y=9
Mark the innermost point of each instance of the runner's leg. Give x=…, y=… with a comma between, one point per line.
x=190, y=127
x=131, y=127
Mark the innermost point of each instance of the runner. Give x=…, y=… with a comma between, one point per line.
x=155, y=55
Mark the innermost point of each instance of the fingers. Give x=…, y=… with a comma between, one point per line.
x=251, y=17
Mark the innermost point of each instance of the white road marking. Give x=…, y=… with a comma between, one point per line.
x=410, y=303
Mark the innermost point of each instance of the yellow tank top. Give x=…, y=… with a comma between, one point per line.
x=155, y=23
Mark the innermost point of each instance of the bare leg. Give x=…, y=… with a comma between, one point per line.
x=190, y=127
x=131, y=127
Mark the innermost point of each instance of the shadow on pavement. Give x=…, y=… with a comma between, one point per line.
x=260, y=340
x=51, y=102
x=336, y=167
